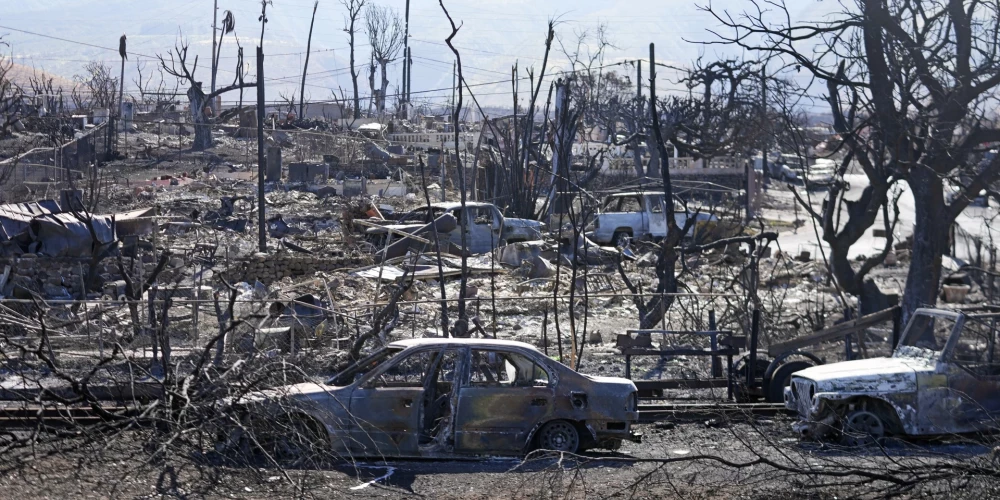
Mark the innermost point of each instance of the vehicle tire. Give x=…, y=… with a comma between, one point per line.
x=618, y=238
x=295, y=439
x=861, y=428
x=559, y=435
x=780, y=379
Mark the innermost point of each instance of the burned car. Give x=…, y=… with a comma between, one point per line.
x=487, y=228
x=447, y=397
x=942, y=378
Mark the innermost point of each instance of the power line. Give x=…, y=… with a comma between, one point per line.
x=74, y=41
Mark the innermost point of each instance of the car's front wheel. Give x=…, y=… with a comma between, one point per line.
x=559, y=435
x=861, y=428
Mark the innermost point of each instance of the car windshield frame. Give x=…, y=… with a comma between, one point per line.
x=913, y=345
x=359, y=370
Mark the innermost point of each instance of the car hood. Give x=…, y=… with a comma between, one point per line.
x=303, y=391
x=867, y=375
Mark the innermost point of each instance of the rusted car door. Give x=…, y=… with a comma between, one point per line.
x=974, y=375
x=504, y=395
x=386, y=408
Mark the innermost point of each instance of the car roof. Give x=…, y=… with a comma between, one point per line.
x=636, y=193
x=449, y=205
x=460, y=342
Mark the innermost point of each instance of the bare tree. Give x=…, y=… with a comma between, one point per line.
x=10, y=97
x=385, y=34
x=43, y=87
x=353, y=13
x=909, y=84
x=152, y=92
x=198, y=100
x=97, y=86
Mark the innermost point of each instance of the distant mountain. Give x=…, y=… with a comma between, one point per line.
x=22, y=75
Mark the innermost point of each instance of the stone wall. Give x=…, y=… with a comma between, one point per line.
x=270, y=268
x=52, y=278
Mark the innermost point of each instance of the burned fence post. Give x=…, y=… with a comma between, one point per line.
x=716, y=361
x=848, y=347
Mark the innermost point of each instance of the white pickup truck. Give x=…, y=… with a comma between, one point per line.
x=638, y=215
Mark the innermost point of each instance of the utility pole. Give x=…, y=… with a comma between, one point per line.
x=215, y=67
x=636, y=155
x=261, y=229
x=406, y=61
x=305, y=67
x=121, y=92
x=763, y=117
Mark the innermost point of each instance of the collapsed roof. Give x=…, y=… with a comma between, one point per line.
x=54, y=229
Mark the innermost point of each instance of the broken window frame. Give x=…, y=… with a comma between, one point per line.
x=506, y=354
x=358, y=370
x=377, y=379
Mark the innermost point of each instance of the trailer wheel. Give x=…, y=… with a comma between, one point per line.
x=775, y=391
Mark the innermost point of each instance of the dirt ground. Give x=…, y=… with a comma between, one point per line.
x=700, y=452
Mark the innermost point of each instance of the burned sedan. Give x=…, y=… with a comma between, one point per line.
x=942, y=378
x=440, y=398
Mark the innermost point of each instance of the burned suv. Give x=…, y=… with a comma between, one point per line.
x=448, y=397
x=942, y=378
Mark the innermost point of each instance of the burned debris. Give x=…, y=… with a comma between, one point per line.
x=605, y=269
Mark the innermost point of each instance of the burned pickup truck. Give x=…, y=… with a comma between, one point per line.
x=942, y=378
x=447, y=397
x=639, y=215
x=486, y=227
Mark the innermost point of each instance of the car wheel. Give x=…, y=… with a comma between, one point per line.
x=559, y=436
x=781, y=378
x=861, y=428
x=618, y=238
x=297, y=440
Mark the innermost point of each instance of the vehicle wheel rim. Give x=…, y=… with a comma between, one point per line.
x=862, y=428
x=560, y=436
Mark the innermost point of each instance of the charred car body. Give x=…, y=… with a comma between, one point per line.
x=485, y=230
x=438, y=398
x=942, y=378
x=638, y=215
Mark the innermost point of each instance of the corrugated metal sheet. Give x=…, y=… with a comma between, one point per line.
x=15, y=217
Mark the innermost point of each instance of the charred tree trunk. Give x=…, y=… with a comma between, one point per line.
x=384, y=87
x=666, y=263
x=930, y=241
x=202, y=128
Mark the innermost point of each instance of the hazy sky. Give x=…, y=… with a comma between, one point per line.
x=495, y=35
